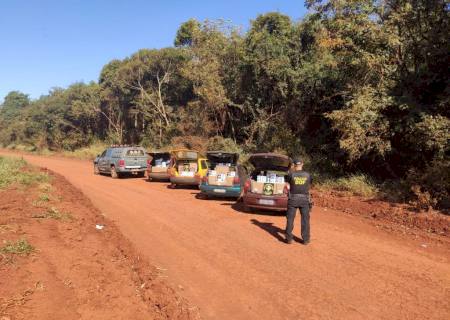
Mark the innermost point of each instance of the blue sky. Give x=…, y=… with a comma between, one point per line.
x=49, y=43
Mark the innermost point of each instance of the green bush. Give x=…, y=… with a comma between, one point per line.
x=358, y=184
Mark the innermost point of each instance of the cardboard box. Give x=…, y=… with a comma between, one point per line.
x=220, y=180
x=159, y=169
x=229, y=181
x=279, y=188
x=266, y=188
x=222, y=169
x=257, y=187
x=212, y=180
x=187, y=166
x=193, y=166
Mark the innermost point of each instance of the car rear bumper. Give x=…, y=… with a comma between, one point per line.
x=185, y=181
x=253, y=200
x=220, y=191
x=158, y=175
x=130, y=170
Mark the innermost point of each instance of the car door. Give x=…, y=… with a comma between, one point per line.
x=203, y=167
x=100, y=161
x=108, y=160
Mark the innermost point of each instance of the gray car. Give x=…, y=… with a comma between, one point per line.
x=119, y=161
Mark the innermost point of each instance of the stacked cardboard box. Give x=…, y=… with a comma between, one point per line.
x=159, y=169
x=222, y=175
x=267, y=188
x=187, y=169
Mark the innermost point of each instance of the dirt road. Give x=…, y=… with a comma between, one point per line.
x=233, y=265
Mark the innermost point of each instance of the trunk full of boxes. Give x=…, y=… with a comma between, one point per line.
x=270, y=184
x=187, y=168
x=222, y=175
x=160, y=165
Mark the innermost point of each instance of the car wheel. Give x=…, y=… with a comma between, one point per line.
x=114, y=173
x=247, y=209
x=96, y=170
x=203, y=196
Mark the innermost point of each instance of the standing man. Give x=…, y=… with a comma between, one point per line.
x=299, y=182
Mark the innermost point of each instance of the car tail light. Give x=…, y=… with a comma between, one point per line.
x=286, y=189
x=121, y=163
x=236, y=180
x=247, y=185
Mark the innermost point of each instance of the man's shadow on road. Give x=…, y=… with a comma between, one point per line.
x=275, y=231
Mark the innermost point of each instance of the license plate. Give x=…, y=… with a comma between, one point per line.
x=219, y=190
x=266, y=202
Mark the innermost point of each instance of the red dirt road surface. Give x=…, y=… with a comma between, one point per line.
x=233, y=265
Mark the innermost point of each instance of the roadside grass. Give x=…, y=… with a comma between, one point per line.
x=86, y=153
x=56, y=214
x=20, y=247
x=357, y=184
x=44, y=197
x=12, y=171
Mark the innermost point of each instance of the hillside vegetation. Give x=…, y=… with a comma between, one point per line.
x=357, y=87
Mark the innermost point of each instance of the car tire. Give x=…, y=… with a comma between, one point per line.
x=247, y=209
x=96, y=169
x=114, y=173
x=203, y=196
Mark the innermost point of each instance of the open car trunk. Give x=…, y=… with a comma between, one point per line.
x=186, y=168
x=160, y=161
x=270, y=173
x=186, y=162
x=223, y=168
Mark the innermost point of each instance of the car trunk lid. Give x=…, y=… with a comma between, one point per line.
x=270, y=161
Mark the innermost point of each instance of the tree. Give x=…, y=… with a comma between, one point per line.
x=186, y=32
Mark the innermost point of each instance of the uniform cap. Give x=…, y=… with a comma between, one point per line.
x=297, y=161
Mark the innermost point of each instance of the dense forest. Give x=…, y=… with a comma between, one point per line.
x=355, y=86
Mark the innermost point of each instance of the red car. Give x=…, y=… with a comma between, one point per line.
x=266, y=187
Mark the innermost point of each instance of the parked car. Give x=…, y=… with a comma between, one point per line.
x=188, y=168
x=122, y=160
x=266, y=187
x=225, y=177
x=158, y=166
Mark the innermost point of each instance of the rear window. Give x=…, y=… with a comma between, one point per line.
x=204, y=164
x=135, y=152
x=159, y=158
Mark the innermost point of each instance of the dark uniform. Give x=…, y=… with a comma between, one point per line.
x=300, y=182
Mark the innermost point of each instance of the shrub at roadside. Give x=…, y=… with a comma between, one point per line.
x=358, y=184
